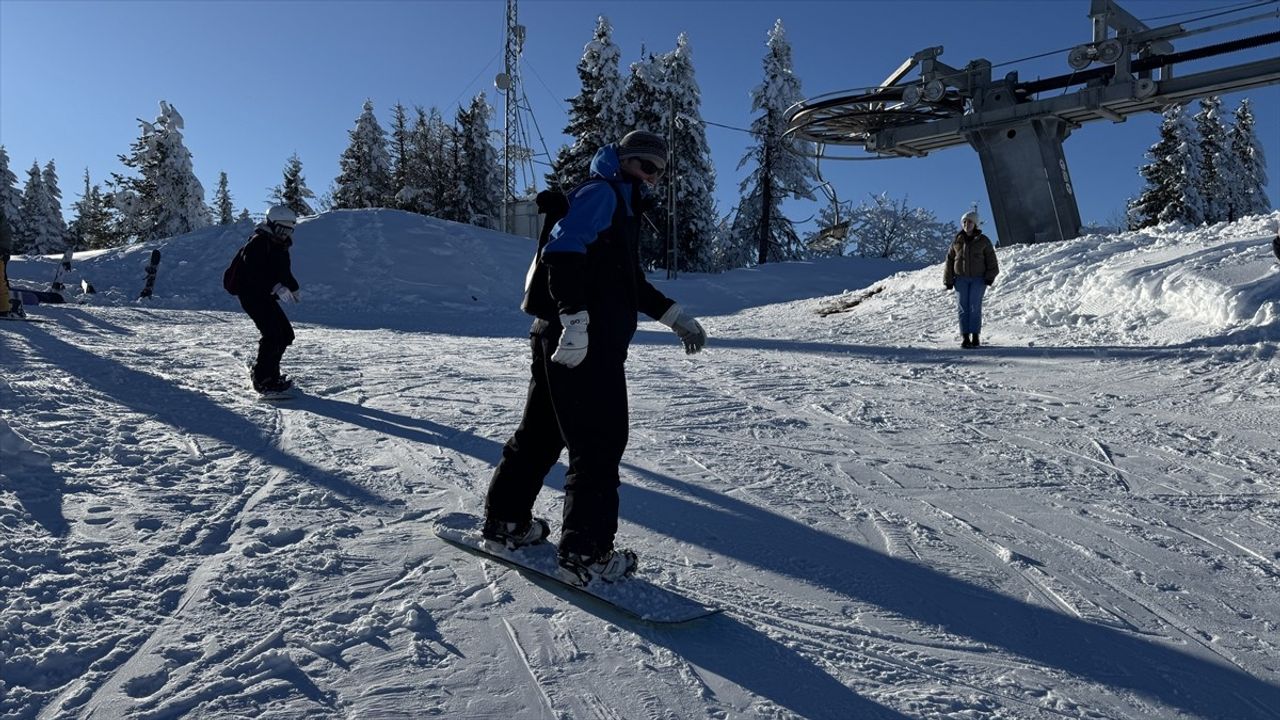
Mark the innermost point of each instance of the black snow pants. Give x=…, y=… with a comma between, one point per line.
x=583, y=409
x=277, y=334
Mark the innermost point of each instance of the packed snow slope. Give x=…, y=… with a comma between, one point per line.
x=1080, y=520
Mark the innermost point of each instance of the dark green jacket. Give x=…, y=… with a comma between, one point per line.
x=970, y=256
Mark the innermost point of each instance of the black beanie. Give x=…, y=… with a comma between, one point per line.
x=644, y=145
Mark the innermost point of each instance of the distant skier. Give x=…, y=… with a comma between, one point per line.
x=585, y=289
x=264, y=280
x=970, y=269
x=1275, y=245
x=7, y=308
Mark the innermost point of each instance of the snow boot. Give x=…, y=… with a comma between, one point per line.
x=611, y=566
x=272, y=385
x=513, y=535
x=966, y=343
x=974, y=342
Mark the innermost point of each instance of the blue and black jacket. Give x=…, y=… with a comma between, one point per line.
x=591, y=260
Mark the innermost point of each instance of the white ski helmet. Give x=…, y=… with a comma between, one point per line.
x=281, y=215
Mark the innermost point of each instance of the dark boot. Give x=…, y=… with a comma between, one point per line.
x=967, y=343
x=974, y=342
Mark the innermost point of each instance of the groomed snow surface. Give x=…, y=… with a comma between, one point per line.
x=1080, y=520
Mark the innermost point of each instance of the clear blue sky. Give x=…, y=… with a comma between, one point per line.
x=258, y=81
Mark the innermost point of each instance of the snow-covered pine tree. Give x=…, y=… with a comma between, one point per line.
x=1248, y=181
x=91, y=227
x=1188, y=205
x=401, y=139
x=415, y=194
x=166, y=199
x=41, y=234
x=780, y=171
x=54, y=193
x=480, y=180
x=223, y=208
x=10, y=195
x=1170, y=191
x=454, y=203
x=594, y=114
x=442, y=165
x=691, y=170
x=1211, y=133
x=364, y=179
x=244, y=215
x=294, y=192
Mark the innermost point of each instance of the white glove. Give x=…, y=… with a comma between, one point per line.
x=285, y=294
x=573, y=340
x=687, y=327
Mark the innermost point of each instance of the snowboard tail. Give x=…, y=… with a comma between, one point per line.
x=636, y=596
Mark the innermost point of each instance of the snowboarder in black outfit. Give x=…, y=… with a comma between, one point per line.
x=585, y=289
x=265, y=280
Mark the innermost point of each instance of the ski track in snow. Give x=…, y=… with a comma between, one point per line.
x=894, y=528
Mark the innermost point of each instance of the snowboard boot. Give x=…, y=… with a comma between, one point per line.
x=974, y=342
x=611, y=566
x=272, y=385
x=514, y=535
x=966, y=343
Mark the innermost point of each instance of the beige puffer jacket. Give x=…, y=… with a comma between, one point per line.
x=970, y=256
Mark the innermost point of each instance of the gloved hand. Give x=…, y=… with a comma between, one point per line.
x=285, y=294
x=990, y=282
x=687, y=327
x=949, y=286
x=573, y=340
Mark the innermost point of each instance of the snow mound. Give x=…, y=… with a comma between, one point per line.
x=1158, y=286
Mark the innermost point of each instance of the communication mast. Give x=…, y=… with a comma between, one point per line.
x=508, y=82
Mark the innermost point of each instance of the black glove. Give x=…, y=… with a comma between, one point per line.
x=989, y=282
x=949, y=286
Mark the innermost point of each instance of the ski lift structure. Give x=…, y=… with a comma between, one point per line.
x=1018, y=135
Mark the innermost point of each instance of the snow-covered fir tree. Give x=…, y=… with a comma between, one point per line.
x=294, y=192
x=1211, y=133
x=691, y=171
x=1247, y=193
x=166, y=198
x=442, y=167
x=223, y=208
x=778, y=171
x=53, y=192
x=1171, y=175
x=415, y=192
x=893, y=230
x=244, y=215
x=479, y=177
x=453, y=201
x=401, y=142
x=364, y=179
x=40, y=233
x=10, y=195
x=91, y=227
x=594, y=113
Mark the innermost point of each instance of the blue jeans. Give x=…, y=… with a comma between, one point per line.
x=969, y=292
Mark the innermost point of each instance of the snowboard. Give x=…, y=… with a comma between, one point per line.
x=150, y=269
x=64, y=267
x=635, y=596
x=36, y=297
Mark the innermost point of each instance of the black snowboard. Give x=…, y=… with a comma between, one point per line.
x=151, y=275
x=635, y=596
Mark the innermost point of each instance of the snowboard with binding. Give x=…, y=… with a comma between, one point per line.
x=150, y=270
x=63, y=268
x=636, y=596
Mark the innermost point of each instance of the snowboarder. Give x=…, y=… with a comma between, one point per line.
x=585, y=290
x=265, y=281
x=970, y=269
x=7, y=308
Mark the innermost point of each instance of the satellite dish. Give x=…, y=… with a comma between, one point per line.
x=502, y=81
